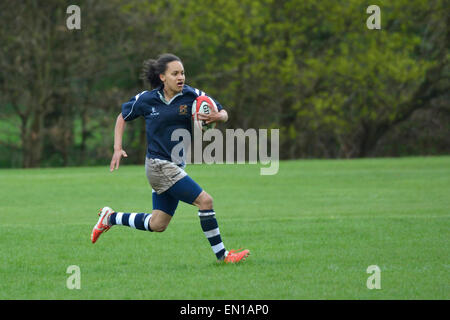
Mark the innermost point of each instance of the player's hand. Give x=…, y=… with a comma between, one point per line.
x=212, y=117
x=115, y=161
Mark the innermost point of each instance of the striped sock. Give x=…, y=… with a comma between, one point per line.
x=211, y=230
x=138, y=221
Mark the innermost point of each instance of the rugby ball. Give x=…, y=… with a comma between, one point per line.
x=203, y=105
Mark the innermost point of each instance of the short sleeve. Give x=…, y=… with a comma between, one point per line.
x=131, y=109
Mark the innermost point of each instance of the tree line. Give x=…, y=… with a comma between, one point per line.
x=312, y=69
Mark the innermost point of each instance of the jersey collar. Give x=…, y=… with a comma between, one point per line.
x=161, y=96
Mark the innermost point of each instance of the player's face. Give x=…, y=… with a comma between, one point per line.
x=173, y=78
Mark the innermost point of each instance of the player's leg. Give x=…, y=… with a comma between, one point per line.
x=108, y=218
x=187, y=190
x=164, y=206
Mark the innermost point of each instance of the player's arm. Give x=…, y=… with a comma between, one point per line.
x=118, y=151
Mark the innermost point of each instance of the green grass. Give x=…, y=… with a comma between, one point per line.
x=313, y=229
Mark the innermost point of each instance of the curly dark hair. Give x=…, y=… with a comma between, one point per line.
x=153, y=68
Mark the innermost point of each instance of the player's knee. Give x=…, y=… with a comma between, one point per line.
x=158, y=227
x=204, y=201
x=207, y=201
x=161, y=229
x=159, y=221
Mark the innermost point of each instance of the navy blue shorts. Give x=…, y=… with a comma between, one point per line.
x=185, y=189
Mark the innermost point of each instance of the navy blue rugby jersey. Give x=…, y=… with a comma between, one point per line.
x=162, y=118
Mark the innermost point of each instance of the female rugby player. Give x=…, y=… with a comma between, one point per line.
x=166, y=108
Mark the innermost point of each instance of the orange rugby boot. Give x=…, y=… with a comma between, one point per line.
x=235, y=257
x=102, y=224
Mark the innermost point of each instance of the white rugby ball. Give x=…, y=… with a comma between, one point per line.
x=203, y=105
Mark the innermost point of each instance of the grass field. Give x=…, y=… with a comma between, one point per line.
x=313, y=229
